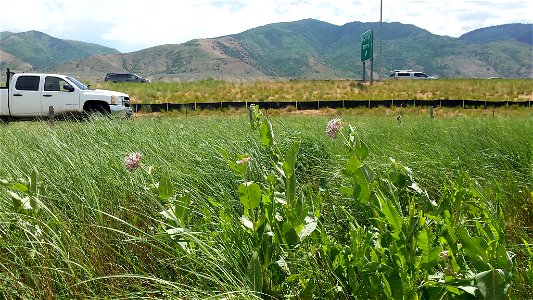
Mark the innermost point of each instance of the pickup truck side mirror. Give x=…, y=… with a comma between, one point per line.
x=68, y=87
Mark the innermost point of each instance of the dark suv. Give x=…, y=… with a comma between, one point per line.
x=124, y=77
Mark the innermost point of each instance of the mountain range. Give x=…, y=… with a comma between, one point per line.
x=305, y=49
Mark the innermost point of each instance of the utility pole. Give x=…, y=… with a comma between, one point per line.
x=380, y=36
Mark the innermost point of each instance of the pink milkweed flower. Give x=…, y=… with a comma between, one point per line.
x=334, y=126
x=244, y=160
x=133, y=161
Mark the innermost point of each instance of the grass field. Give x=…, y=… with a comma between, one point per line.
x=194, y=219
x=215, y=91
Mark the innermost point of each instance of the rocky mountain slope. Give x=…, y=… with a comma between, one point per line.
x=311, y=49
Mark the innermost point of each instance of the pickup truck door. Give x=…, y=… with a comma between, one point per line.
x=25, y=96
x=55, y=94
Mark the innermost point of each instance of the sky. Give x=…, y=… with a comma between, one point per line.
x=132, y=25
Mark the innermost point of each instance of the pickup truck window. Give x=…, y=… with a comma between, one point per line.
x=52, y=83
x=80, y=85
x=28, y=83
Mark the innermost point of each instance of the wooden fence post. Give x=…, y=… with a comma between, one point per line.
x=51, y=115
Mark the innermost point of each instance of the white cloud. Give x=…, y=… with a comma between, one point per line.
x=130, y=25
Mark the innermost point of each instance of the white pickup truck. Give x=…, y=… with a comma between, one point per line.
x=32, y=95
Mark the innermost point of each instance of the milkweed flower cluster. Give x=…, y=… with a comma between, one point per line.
x=334, y=126
x=133, y=161
x=244, y=160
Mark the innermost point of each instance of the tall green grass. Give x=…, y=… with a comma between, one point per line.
x=211, y=90
x=99, y=232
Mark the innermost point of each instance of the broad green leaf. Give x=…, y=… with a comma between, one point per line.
x=362, y=191
x=474, y=247
x=291, y=237
x=267, y=136
x=491, y=284
x=26, y=203
x=429, y=254
x=170, y=214
x=307, y=230
x=285, y=227
x=392, y=215
x=469, y=289
x=362, y=150
x=289, y=162
x=165, y=189
x=371, y=266
x=369, y=174
x=450, y=226
x=290, y=190
x=34, y=183
x=19, y=187
x=15, y=196
x=423, y=244
x=435, y=292
x=392, y=287
x=452, y=289
x=267, y=246
x=255, y=274
x=352, y=278
x=247, y=223
x=260, y=221
x=283, y=265
x=352, y=166
x=504, y=258
x=270, y=207
x=182, y=207
x=303, y=215
x=249, y=194
x=346, y=191
x=317, y=205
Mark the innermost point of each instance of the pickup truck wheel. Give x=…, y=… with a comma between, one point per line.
x=97, y=108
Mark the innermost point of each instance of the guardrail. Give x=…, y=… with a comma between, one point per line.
x=318, y=104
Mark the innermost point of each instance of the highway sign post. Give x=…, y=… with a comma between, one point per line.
x=367, y=52
x=366, y=45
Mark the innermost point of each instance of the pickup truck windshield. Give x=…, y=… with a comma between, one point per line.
x=80, y=85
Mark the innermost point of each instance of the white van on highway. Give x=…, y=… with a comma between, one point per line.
x=409, y=74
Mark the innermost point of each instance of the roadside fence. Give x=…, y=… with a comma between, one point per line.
x=335, y=104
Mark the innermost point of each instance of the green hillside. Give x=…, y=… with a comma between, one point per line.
x=516, y=32
x=9, y=61
x=285, y=49
x=41, y=50
x=305, y=49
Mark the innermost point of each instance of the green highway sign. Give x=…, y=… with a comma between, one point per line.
x=366, y=45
